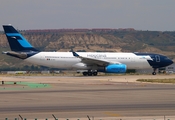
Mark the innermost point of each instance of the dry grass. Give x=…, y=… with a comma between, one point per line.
x=171, y=80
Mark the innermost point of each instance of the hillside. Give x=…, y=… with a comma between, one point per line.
x=113, y=41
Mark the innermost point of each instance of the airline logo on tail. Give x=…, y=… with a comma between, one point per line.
x=19, y=46
x=16, y=41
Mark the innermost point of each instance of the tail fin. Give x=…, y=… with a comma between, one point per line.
x=16, y=41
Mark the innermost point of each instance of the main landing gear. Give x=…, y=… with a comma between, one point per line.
x=89, y=73
x=154, y=71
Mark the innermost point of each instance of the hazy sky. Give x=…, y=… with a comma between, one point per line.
x=56, y=14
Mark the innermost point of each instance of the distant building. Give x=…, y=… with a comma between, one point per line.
x=170, y=69
x=16, y=72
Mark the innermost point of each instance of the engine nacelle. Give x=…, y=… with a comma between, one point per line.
x=116, y=68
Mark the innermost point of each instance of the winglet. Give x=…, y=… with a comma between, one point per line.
x=75, y=54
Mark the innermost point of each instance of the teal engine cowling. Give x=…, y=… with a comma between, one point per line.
x=116, y=68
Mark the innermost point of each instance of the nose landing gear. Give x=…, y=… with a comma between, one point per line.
x=154, y=71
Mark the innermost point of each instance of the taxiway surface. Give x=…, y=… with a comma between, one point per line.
x=77, y=97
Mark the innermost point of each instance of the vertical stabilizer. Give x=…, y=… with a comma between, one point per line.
x=16, y=41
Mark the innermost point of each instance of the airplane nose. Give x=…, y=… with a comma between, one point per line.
x=165, y=62
x=169, y=62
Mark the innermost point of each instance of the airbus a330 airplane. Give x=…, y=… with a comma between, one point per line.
x=92, y=62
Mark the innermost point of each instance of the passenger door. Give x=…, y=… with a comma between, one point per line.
x=157, y=58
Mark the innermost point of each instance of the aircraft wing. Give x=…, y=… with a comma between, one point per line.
x=92, y=61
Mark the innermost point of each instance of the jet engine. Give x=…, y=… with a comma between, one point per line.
x=116, y=68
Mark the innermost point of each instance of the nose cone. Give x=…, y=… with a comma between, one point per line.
x=165, y=62
x=169, y=62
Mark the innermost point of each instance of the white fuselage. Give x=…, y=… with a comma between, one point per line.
x=66, y=60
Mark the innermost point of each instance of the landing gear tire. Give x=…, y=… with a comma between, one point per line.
x=153, y=73
x=95, y=73
x=89, y=73
x=85, y=73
